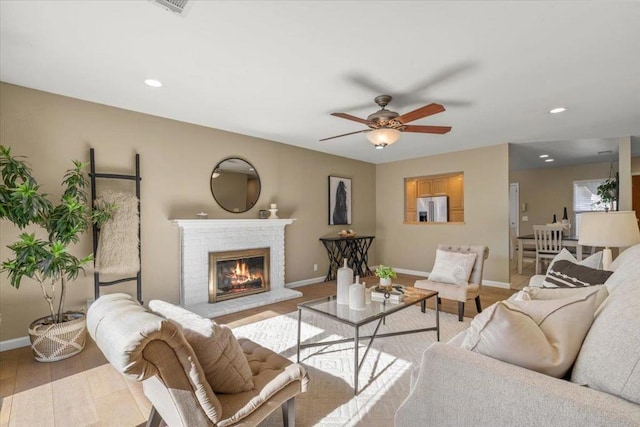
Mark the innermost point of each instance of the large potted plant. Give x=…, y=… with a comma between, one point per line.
x=47, y=261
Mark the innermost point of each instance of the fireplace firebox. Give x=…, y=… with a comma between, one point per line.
x=234, y=274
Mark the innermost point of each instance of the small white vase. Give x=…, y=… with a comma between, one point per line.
x=385, y=281
x=345, y=278
x=357, y=296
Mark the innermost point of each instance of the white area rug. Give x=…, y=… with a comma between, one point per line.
x=385, y=376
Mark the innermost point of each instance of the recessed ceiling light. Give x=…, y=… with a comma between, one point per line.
x=544, y=156
x=558, y=110
x=549, y=160
x=153, y=83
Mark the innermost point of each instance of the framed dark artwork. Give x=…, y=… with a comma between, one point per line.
x=339, y=200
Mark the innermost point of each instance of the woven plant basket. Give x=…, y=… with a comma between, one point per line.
x=57, y=341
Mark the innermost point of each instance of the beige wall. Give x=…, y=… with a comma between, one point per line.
x=486, y=210
x=548, y=191
x=176, y=162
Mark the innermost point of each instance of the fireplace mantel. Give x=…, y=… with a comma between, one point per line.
x=212, y=223
x=198, y=237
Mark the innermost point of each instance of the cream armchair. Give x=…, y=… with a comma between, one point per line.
x=147, y=347
x=464, y=292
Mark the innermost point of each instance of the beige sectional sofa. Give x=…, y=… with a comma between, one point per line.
x=454, y=386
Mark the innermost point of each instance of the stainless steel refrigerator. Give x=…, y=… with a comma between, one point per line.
x=433, y=209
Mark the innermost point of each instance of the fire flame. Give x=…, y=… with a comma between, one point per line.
x=241, y=273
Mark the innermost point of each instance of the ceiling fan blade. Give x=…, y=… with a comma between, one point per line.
x=350, y=117
x=420, y=113
x=427, y=129
x=345, y=134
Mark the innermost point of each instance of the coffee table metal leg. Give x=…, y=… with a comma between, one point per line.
x=356, y=360
x=437, y=322
x=299, y=325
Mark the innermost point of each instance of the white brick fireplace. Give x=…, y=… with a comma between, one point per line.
x=198, y=237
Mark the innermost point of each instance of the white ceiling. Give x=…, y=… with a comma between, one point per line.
x=276, y=70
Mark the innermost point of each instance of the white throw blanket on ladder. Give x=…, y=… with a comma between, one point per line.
x=118, y=243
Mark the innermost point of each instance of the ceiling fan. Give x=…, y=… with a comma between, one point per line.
x=385, y=126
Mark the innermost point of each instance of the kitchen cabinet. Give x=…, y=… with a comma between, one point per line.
x=450, y=185
x=440, y=186
x=410, y=196
x=456, y=192
x=424, y=187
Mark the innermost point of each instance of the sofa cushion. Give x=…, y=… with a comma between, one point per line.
x=223, y=361
x=609, y=359
x=533, y=293
x=452, y=267
x=567, y=274
x=541, y=335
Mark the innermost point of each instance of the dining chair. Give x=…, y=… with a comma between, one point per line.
x=548, y=240
x=527, y=250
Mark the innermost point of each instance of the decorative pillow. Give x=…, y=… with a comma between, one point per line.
x=541, y=335
x=592, y=261
x=567, y=274
x=223, y=361
x=452, y=267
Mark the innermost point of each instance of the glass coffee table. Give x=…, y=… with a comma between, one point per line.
x=375, y=311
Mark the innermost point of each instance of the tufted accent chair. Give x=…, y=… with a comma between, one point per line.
x=146, y=347
x=460, y=293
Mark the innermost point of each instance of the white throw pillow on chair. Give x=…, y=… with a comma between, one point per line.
x=452, y=267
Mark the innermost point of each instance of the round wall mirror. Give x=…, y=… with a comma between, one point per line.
x=235, y=185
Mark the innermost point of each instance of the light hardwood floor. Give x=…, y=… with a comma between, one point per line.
x=86, y=391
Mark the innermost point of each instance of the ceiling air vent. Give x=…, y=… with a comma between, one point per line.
x=176, y=6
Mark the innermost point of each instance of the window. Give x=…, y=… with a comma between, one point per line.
x=585, y=199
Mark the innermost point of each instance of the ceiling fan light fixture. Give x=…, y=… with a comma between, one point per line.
x=383, y=137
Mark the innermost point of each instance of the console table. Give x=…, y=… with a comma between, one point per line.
x=354, y=249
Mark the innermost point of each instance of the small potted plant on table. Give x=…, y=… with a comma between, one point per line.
x=61, y=334
x=385, y=273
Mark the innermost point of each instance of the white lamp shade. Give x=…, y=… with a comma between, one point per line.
x=383, y=136
x=609, y=229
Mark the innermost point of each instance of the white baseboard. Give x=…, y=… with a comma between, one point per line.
x=493, y=284
x=304, y=282
x=15, y=343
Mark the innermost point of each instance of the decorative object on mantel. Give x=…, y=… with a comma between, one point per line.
x=48, y=261
x=202, y=215
x=356, y=295
x=273, y=210
x=347, y=233
x=262, y=214
x=345, y=277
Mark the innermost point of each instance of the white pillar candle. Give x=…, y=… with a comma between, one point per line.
x=274, y=206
